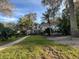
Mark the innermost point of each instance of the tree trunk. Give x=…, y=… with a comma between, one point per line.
x=49, y=27
x=73, y=21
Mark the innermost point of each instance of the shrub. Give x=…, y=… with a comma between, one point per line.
x=5, y=33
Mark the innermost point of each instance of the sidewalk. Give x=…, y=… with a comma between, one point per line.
x=12, y=43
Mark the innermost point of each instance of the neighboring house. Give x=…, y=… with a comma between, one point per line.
x=35, y=29
x=53, y=25
x=43, y=26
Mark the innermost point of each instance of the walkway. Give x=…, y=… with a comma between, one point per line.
x=74, y=42
x=12, y=43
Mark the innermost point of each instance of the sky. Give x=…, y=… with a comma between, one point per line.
x=22, y=7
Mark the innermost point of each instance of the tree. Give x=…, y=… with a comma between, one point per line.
x=46, y=16
x=10, y=25
x=1, y=26
x=52, y=4
x=26, y=21
x=73, y=21
x=64, y=23
x=77, y=12
x=55, y=4
x=5, y=32
x=53, y=7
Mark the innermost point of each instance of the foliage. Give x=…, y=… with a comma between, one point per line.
x=38, y=47
x=48, y=31
x=64, y=26
x=5, y=33
x=11, y=26
x=46, y=16
x=27, y=21
x=64, y=22
x=1, y=26
x=54, y=5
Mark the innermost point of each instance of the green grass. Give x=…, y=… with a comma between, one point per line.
x=10, y=39
x=38, y=47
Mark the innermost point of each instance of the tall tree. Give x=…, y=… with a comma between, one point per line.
x=1, y=25
x=53, y=7
x=77, y=12
x=27, y=21
x=46, y=16
x=53, y=4
x=64, y=23
x=73, y=21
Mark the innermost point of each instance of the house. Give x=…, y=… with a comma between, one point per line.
x=35, y=28
x=43, y=26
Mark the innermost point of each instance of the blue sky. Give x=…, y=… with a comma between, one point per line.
x=22, y=7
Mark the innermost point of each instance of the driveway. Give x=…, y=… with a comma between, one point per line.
x=68, y=40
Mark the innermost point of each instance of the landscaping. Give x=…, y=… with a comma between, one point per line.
x=38, y=47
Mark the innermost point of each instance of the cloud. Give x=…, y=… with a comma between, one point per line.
x=17, y=12
x=8, y=19
x=23, y=7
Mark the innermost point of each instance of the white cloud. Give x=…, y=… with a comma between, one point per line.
x=8, y=19
x=20, y=11
x=23, y=7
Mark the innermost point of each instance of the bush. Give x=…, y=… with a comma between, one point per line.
x=5, y=33
x=48, y=31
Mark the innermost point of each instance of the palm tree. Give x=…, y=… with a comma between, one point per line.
x=46, y=16
x=53, y=7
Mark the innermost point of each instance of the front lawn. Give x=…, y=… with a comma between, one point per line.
x=10, y=39
x=38, y=47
